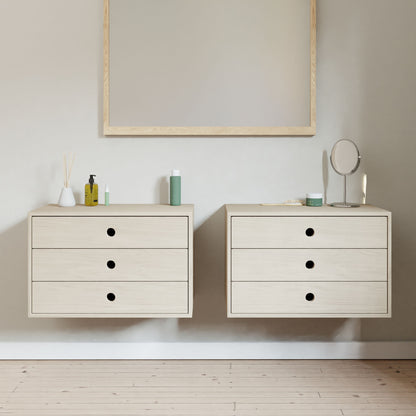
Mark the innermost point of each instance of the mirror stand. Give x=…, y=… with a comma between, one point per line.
x=344, y=204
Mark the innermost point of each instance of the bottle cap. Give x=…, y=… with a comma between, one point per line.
x=175, y=172
x=107, y=189
x=91, y=181
x=314, y=196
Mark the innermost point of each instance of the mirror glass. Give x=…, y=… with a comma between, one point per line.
x=345, y=157
x=209, y=67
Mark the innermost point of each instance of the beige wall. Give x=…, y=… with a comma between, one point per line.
x=50, y=102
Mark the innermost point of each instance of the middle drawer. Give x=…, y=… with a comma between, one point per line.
x=109, y=265
x=309, y=265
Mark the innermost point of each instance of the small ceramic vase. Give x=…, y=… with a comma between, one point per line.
x=66, y=199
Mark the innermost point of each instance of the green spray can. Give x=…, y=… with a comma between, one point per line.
x=175, y=187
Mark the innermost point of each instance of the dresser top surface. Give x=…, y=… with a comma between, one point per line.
x=114, y=210
x=291, y=210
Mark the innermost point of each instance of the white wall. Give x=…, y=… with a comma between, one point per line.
x=50, y=103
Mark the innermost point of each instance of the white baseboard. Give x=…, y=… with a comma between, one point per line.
x=205, y=350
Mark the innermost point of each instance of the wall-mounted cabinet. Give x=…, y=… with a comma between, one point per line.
x=308, y=261
x=115, y=261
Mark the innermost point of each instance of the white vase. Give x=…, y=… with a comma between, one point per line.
x=66, y=199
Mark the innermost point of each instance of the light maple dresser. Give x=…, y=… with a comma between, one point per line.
x=298, y=261
x=111, y=261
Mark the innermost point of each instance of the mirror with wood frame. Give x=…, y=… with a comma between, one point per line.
x=209, y=67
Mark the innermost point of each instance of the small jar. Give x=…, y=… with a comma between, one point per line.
x=313, y=200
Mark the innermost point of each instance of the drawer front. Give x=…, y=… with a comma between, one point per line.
x=95, y=298
x=109, y=264
x=110, y=232
x=309, y=265
x=347, y=298
x=309, y=232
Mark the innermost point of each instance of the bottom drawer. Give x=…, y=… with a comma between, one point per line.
x=109, y=298
x=309, y=298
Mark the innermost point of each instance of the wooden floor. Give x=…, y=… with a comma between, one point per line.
x=216, y=388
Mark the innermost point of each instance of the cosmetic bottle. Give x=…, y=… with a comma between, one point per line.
x=91, y=192
x=175, y=187
x=107, y=195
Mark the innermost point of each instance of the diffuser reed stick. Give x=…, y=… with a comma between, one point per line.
x=65, y=174
x=68, y=162
x=70, y=167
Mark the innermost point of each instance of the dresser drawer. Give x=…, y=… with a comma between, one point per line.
x=327, y=298
x=83, y=298
x=309, y=232
x=110, y=232
x=109, y=264
x=309, y=265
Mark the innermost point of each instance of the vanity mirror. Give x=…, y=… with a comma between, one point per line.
x=209, y=67
x=345, y=160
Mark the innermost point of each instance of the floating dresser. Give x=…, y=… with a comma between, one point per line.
x=290, y=261
x=125, y=261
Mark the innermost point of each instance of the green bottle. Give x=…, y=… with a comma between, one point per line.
x=175, y=187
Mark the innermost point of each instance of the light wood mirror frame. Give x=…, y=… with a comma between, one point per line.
x=307, y=130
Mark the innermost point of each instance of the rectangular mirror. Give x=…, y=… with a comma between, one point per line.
x=209, y=67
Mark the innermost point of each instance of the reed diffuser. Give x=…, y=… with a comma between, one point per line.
x=66, y=199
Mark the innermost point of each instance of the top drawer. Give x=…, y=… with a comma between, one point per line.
x=309, y=232
x=110, y=232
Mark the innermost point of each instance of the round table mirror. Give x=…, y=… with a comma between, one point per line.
x=345, y=160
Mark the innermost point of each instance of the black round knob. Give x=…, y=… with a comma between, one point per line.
x=309, y=297
x=111, y=296
x=310, y=232
x=310, y=264
x=111, y=264
x=111, y=232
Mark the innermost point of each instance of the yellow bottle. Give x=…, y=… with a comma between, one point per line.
x=91, y=192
